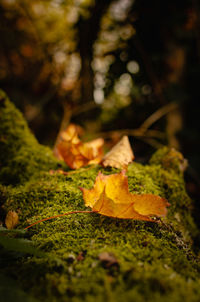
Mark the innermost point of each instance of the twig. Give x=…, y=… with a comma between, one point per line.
x=157, y=115
x=152, y=142
x=143, y=131
x=131, y=132
x=84, y=108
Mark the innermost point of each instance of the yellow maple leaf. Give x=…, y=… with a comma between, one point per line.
x=110, y=196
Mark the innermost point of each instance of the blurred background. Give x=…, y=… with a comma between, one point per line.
x=113, y=67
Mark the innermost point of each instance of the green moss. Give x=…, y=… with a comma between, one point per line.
x=169, y=159
x=154, y=261
x=20, y=154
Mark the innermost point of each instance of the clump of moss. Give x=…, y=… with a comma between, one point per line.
x=21, y=156
x=169, y=159
x=154, y=261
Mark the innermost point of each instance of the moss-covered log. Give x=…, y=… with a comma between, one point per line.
x=142, y=261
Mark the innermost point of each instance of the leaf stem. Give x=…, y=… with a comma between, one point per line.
x=56, y=216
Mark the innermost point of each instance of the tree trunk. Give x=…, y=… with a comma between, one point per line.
x=86, y=257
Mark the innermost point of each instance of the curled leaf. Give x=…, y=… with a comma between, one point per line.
x=77, y=154
x=72, y=133
x=110, y=196
x=120, y=155
x=11, y=220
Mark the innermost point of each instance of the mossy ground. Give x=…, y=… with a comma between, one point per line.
x=154, y=261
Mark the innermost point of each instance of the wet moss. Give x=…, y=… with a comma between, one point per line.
x=155, y=261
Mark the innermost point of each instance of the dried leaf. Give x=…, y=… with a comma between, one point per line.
x=77, y=154
x=110, y=196
x=72, y=133
x=120, y=155
x=11, y=220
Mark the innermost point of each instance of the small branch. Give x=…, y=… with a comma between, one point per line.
x=157, y=115
x=139, y=132
x=152, y=142
x=155, y=133
x=143, y=131
x=84, y=108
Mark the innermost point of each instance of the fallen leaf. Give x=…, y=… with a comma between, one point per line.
x=11, y=220
x=110, y=196
x=120, y=155
x=75, y=153
x=72, y=133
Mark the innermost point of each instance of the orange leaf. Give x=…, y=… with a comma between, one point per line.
x=71, y=133
x=110, y=196
x=11, y=220
x=120, y=155
x=75, y=153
